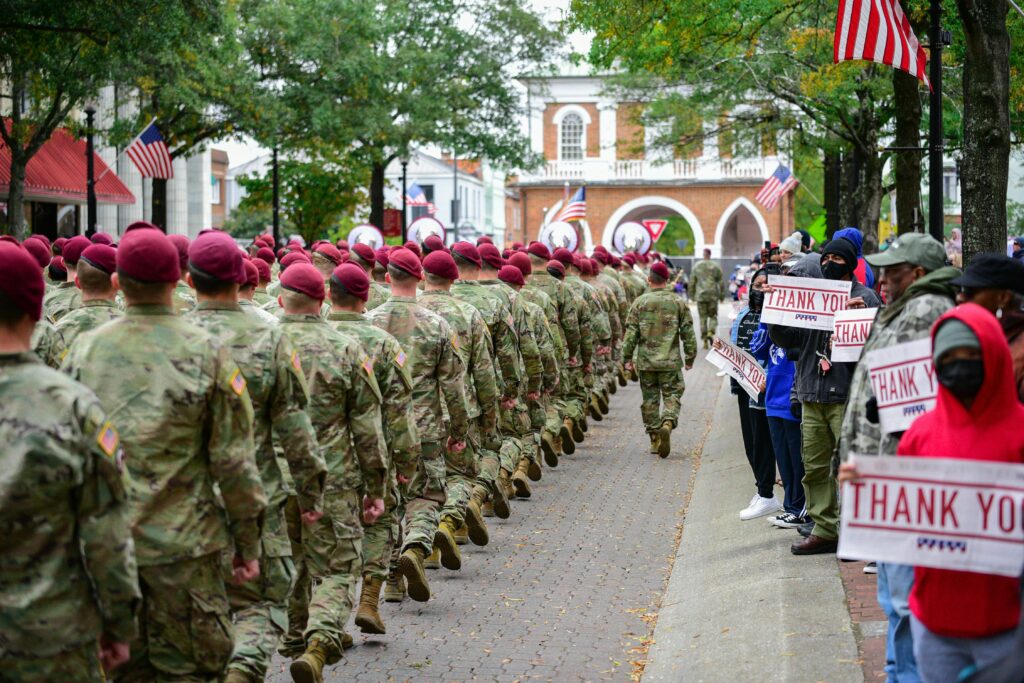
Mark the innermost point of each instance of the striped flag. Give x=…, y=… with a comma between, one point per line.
x=776, y=187
x=878, y=31
x=415, y=196
x=150, y=155
x=575, y=208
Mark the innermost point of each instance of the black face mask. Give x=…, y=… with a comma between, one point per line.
x=834, y=271
x=963, y=378
x=755, y=299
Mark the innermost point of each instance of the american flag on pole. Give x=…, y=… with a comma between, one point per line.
x=575, y=208
x=776, y=187
x=149, y=153
x=415, y=196
x=878, y=31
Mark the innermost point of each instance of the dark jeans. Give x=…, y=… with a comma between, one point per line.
x=762, y=457
x=786, y=443
x=748, y=436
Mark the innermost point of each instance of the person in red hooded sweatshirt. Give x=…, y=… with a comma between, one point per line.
x=963, y=621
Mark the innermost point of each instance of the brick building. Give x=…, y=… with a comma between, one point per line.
x=586, y=138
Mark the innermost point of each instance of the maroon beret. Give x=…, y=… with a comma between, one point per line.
x=484, y=239
x=263, y=268
x=329, y=251
x=41, y=237
x=59, y=243
x=38, y=250
x=294, y=244
x=490, y=254
x=660, y=269
x=21, y=280
x=265, y=254
x=564, y=255
x=577, y=263
x=467, y=251
x=304, y=279
x=383, y=257
x=181, y=243
x=522, y=262
x=294, y=257
x=252, y=274
x=352, y=279
x=540, y=250
x=556, y=268
x=511, y=275
x=58, y=271
x=101, y=256
x=217, y=255
x=630, y=258
x=442, y=264
x=364, y=252
x=517, y=246
x=139, y=225
x=414, y=248
x=600, y=247
x=101, y=238
x=405, y=259
x=145, y=254
x=73, y=249
x=602, y=256
x=10, y=239
x=434, y=243
x=343, y=245
x=616, y=261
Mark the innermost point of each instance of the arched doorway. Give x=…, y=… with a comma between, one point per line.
x=741, y=231
x=654, y=206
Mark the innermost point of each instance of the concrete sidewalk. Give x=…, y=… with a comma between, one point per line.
x=739, y=606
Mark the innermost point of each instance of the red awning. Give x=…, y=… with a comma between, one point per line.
x=56, y=173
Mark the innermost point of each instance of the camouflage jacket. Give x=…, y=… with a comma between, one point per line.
x=598, y=306
x=345, y=409
x=529, y=349
x=505, y=345
x=277, y=387
x=62, y=299
x=907, y=319
x=655, y=325
x=91, y=315
x=541, y=332
x=184, y=298
x=251, y=308
x=185, y=420
x=378, y=294
x=391, y=370
x=261, y=298
x=706, y=281
x=474, y=347
x=609, y=280
x=434, y=365
x=48, y=343
x=586, y=317
x=68, y=561
x=565, y=306
x=537, y=297
x=634, y=284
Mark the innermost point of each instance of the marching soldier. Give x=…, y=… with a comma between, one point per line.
x=96, y=268
x=708, y=287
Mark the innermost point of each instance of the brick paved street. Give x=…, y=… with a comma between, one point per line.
x=568, y=587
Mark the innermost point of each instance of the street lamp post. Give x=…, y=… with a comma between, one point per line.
x=455, y=197
x=277, y=204
x=90, y=174
x=405, y=167
x=936, y=211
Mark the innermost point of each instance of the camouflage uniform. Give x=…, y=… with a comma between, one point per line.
x=391, y=370
x=61, y=299
x=69, y=565
x=91, y=315
x=184, y=298
x=655, y=325
x=378, y=295
x=185, y=418
x=277, y=387
x=554, y=406
x=345, y=409
x=437, y=372
x=254, y=310
x=583, y=378
x=261, y=298
x=48, y=343
x=707, y=286
x=609, y=279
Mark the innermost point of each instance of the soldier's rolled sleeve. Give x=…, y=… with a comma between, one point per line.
x=294, y=430
x=365, y=420
x=233, y=460
x=105, y=531
x=451, y=375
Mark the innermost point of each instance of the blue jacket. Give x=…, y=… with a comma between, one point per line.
x=780, y=371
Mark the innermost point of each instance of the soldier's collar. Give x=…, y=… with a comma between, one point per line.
x=99, y=302
x=150, y=309
x=217, y=306
x=19, y=358
x=301, y=318
x=438, y=292
x=491, y=281
x=345, y=315
x=410, y=299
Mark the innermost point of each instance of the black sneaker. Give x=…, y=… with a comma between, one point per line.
x=805, y=529
x=788, y=520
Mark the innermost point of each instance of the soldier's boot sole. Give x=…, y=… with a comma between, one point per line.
x=665, y=439
x=568, y=442
x=577, y=433
x=602, y=403
x=461, y=535
x=533, y=471
x=411, y=566
x=433, y=560
x=547, y=446
x=450, y=556
x=521, y=483
x=476, y=526
x=594, y=409
x=583, y=423
x=499, y=501
x=487, y=509
x=611, y=386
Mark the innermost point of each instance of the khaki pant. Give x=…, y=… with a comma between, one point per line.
x=707, y=311
x=820, y=434
x=661, y=391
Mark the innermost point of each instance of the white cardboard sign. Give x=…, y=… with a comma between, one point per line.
x=738, y=364
x=852, y=327
x=904, y=383
x=804, y=302
x=966, y=515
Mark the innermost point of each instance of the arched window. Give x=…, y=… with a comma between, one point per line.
x=571, y=146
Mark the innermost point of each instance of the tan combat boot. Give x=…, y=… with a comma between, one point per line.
x=368, y=616
x=411, y=565
x=664, y=439
x=499, y=497
x=654, y=442
x=533, y=470
x=611, y=386
x=521, y=482
x=594, y=408
x=461, y=534
x=623, y=380
x=602, y=401
x=433, y=560
x=309, y=668
x=444, y=540
x=394, y=587
x=577, y=430
x=550, y=449
x=568, y=436
x=475, y=525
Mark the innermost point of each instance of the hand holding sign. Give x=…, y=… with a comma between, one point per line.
x=904, y=384
x=738, y=364
x=804, y=302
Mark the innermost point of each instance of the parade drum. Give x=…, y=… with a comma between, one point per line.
x=366, y=234
x=558, y=235
x=631, y=236
x=423, y=227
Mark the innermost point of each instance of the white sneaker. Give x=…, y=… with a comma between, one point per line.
x=759, y=507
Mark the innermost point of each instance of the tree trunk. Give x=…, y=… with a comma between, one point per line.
x=870, y=192
x=16, y=199
x=377, y=194
x=849, y=180
x=907, y=164
x=831, y=187
x=986, y=154
x=159, y=203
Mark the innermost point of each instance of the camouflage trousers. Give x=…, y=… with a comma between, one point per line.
x=461, y=473
x=259, y=609
x=81, y=664
x=185, y=631
x=329, y=570
x=379, y=539
x=661, y=391
x=707, y=311
x=575, y=394
x=427, y=493
x=488, y=461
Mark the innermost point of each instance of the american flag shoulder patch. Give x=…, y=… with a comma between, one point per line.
x=368, y=365
x=455, y=341
x=237, y=382
x=510, y=321
x=295, y=361
x=400, y=358
x=107, y=439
